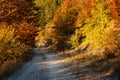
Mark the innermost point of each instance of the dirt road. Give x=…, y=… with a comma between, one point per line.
x=44, y=66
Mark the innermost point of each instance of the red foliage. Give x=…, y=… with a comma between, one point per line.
x=115, y=9
x=26, y=33
x=64, y=20
x=15, y=10
x=85, y=7
x=20, y=14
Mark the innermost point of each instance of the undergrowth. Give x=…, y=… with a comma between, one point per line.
x=17, y=32
x=12, y=52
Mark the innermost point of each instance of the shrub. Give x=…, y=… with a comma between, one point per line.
x=11, y=50
x=100, y=27
x=48, y=8
x=17, y=32
x=63, y=21
x=22, y=17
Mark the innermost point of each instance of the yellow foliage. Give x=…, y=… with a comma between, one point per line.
x=11, y=50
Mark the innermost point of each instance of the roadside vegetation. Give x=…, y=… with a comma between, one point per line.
x=87, y=31
x=17, y=32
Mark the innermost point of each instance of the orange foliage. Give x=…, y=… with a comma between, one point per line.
x=63, y=21
x=67, y=14
x=15, y=10
x=18, y=25
x=65, y=18
x=86, y=7
x=20, y=14
x=115, y=9
x=26, y=33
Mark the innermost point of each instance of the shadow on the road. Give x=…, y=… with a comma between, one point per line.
x=56, y=72
x=52, y=67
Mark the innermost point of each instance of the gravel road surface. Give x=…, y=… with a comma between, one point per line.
x=44, y=66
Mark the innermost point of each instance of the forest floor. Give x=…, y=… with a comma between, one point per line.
x=47, y=65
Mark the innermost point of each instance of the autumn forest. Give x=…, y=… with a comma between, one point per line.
x=82, y=31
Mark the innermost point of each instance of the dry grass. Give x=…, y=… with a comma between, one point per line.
x=87, y=66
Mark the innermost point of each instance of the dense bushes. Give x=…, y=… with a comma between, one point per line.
x=94, y=27
x=99, y=28
x=17, y=32
x=21, y=17
x=48, y=8
x=63, y=23
x=86, y=24
x=11, y=50
x=47, y=11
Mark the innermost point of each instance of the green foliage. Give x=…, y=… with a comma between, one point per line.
x=48, y=8
x=47, y=11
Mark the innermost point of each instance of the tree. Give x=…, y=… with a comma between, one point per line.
x=63, y=23
x=48, y=8
x=21, y=15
